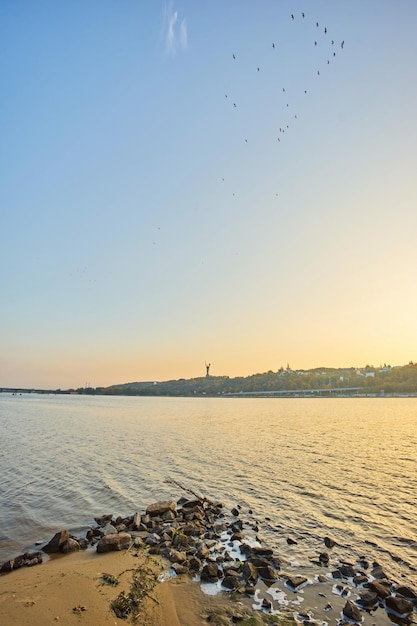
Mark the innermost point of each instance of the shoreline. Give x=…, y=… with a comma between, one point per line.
x=189, y=564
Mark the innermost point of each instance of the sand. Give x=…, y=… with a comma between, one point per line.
x=69, y=590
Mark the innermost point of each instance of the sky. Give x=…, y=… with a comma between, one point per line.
x=184, y=183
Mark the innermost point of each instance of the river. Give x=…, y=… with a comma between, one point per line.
x=308, y=468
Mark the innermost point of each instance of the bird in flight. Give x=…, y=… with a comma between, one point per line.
x=292, y=16
x=234, y=57
x=342, y=44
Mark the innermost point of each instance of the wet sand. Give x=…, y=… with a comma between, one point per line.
x=70, y=590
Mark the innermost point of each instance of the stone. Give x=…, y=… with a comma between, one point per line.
x=110, y=543
x=295, y=581
x=267, y=573
x=70, y=545
x=291, y=541
x=159, y=508
x=153, y=539
x=203, y=551
x=368, y=599
x=179, y=568
x=108, y=529
x=56, y=542
x=399, y=605
x=249, y=571
x=329, y=543
x=407, y=592
x=382, y=588
x=104, y=519
x=210, y=572
x=352, y=612
x=261, y=551
x=231, y=581
x=347, y=571
x=28, y=559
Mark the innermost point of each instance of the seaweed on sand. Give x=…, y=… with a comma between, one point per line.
x=143, y=581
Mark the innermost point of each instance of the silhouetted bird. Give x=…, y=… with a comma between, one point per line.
x=342, y=44
x=273, y=45
x=332, y=42
x=318, y=73
x=292, y=16
x=325, y=31
x=234, y=57
x=302, y=14
x=258, y=69
x=317, y=24
x=283, y=89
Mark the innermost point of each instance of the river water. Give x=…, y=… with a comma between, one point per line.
x=305, y=468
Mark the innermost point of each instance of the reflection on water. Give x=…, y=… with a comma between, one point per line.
x=315, y=467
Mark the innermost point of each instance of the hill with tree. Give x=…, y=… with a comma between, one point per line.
x=322, y=381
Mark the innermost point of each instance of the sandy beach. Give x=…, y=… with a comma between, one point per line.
x=69, y=590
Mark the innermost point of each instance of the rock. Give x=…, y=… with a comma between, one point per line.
x=382, y=588
x=261, y=551
x=378, y=572
x=347, y=571
x=368, y=599
x=231, y=581
x=329, y=543
x=291, y=541
x=203, y=551
x=195, y=564
x=108, y=529
x=267, y=573
x=110, y=543
x=70, y=545
x=104, y=519
x=179, y=568
x=210, y=572
x=28, y=559
x=250, y=573
x=324, y=558
x=159, y=508
x=153, y=539
x=407, y=592
x=295, y=581
x=234, y=512
x=352, y=612
x=399, y=605
x=56, y=542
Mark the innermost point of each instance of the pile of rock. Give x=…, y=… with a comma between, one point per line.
x=197, y=537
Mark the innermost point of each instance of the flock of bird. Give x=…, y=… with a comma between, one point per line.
x=321, y=32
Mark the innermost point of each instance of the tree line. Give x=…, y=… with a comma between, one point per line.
x=319, y=381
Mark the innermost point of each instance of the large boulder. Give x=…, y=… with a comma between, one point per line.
x=57, y=541
x=111, y=543
x=159, y=508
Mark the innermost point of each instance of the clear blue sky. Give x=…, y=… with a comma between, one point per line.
x=149, y=225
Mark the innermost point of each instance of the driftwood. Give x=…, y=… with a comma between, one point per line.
x=175, y=483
